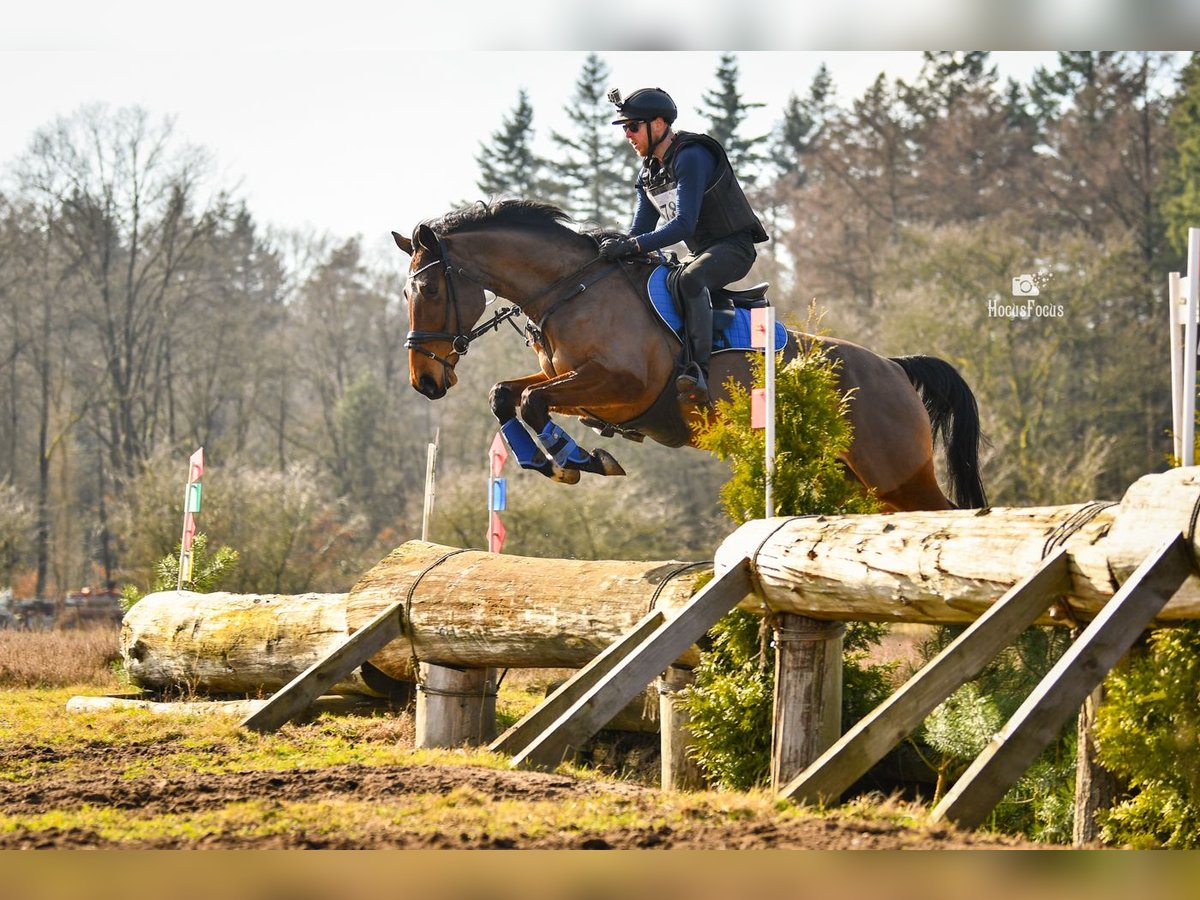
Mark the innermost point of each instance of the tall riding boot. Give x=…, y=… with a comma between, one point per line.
x=692, y=384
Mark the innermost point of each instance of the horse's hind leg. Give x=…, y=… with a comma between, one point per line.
x=527, y=453
x=535, y=410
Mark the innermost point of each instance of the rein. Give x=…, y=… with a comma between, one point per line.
x=460, y=340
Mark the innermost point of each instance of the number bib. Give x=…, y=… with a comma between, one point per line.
x=667, y=202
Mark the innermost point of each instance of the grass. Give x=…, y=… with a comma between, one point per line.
x=45, y=748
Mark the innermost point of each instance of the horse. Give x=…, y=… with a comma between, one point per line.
x=605, y=358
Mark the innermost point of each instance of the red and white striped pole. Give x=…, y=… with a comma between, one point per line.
x=497, y=493
x=191, y=506
x=762, y=400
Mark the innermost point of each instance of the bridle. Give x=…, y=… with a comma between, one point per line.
x=460, y=339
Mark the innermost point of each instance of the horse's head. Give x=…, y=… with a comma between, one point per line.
x=441, y=311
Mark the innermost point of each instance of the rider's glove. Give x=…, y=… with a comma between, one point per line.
x=616, y=247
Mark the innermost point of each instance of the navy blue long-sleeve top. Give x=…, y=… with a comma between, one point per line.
x=694, y=168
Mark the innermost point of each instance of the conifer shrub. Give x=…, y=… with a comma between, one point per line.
x=208, y=568
x=1041, y=804
x=1148, y=734
x=730, y=703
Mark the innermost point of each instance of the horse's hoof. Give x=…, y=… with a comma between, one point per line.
x=608, y=465
x=564, y=476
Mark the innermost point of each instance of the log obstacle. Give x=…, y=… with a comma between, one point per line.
x=473, y=609
x=467, y=609
x=949, y=567
x=182, y=642
x=625, y=623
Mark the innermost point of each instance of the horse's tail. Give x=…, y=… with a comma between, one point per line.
x=954, y=418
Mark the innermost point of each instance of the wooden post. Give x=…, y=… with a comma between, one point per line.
x=679, y=770
x=455, y=707
x=808, y=693
x=1095, y=786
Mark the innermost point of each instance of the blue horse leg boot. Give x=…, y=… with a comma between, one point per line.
x=521, y=443
x=562, y=447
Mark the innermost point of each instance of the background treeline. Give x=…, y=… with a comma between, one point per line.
x=144, y=311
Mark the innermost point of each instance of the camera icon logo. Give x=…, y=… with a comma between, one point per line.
x=1025, y=286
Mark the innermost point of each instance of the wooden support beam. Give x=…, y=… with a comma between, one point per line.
x=522, y=734
x=652, y=656
x=1058, y=696
x=873, y=736
x=300, y=693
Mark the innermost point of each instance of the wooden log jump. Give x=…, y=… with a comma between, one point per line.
x=467, y=609
x=232, y=644
x=473, y=609
x=949, y=567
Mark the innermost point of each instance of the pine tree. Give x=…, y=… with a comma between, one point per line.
x=508, y=165
x=1181, y=181
x=795, y=137
x=594, y=171
x=726, y=111
x=947, y=75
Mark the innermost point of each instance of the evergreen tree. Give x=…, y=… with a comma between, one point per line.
x=1050, y=90
x=947, y=75
x=1181, y=181
x=726, y=111
x=793, y=141
x=593, y=171
x=508, y=165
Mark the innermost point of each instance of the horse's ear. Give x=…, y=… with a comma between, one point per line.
x=426, y=238
x=403, y=243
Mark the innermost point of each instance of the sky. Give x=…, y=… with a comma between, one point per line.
x=365, y=142
x=369, y=119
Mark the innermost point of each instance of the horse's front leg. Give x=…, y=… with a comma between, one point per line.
x=525, y=450
x=570, y=391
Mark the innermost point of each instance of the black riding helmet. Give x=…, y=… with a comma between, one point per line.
x=643, y=105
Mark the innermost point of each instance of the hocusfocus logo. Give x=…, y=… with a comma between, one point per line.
x=1027, y=288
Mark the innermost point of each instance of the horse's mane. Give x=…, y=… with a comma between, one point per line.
x=532, y=214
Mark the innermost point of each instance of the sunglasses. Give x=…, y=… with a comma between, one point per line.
x=631, y=127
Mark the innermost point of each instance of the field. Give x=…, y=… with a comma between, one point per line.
x=134, y=779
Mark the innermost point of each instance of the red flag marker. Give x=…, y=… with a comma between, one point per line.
x=758, y=408
x=758, y=327
x=196, y=465
x=498, y=454
x=496, y=534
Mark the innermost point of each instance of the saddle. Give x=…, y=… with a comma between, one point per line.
x=664, y=421
x=731, y=310
x=726, y=301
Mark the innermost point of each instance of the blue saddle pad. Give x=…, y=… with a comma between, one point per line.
x=735, y=337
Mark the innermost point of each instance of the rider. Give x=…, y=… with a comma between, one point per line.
x=687, y=182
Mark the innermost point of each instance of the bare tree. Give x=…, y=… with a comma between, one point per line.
x=120, y=199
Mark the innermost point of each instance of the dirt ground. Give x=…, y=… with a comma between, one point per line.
x=95, y=786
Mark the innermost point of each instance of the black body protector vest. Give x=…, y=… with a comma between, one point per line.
x=724, y=209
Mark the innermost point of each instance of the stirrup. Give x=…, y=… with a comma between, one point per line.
x=691, y=385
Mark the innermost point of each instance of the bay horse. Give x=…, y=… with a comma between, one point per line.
x=605, y=358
